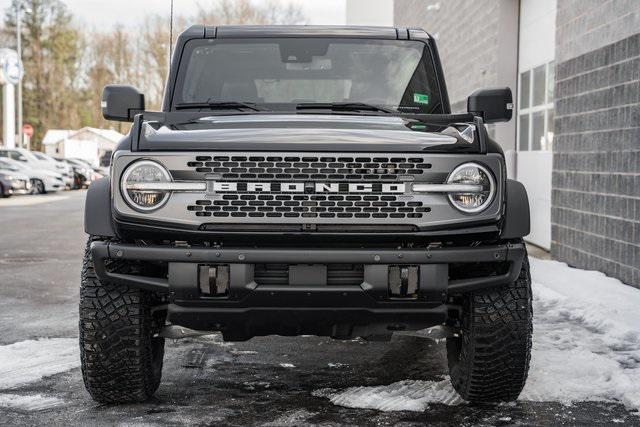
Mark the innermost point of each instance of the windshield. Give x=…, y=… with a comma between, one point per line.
x=394, y=74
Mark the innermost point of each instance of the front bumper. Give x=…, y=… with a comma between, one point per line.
x=21, y=186
x=53, y=184
x=258, y=309
x=16, y=186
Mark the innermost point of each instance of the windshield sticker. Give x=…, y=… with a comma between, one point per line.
x=420, y=98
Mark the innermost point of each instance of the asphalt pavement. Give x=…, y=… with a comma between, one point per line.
x=269, y=380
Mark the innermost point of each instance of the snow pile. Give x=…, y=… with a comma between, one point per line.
x=36, y=402
x=400, y=396
x=586, y=343
x=586, y=347
x=29, y=361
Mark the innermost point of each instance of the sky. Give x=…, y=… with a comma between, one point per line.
x=100, y=13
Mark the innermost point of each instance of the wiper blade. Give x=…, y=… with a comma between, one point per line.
x=343, y=106
x=221, y=105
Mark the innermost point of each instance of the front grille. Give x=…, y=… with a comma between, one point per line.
x=308, y=191
x=310, y=167
x=337, y=274
x=19, y=184
x=308, y=206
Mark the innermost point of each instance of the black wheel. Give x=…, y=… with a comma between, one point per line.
x=489, y=354
x=37, y=187
x=120, y=356
x=2, y=194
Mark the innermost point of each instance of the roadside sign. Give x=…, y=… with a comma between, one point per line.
x=27, y=129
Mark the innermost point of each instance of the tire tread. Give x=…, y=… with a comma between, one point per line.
x=494, y=349
x=116, y=339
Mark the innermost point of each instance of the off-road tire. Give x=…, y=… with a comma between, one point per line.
x=489, y=358
x=121, y=359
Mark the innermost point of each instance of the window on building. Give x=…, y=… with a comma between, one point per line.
x=524, y=90
x=535, y=112
x=524, y=132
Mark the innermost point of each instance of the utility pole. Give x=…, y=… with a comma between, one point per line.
x=10, y=75
x=19, y=50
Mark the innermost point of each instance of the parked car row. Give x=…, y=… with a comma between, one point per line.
x=32, y=172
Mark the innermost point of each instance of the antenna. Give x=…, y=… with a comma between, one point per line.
x=171, y=34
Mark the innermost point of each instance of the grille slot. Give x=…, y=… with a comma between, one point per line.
x=310, y=167
x=309, y=206
x=337, y=274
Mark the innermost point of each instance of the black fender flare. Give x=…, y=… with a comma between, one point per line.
x=97, y=209
x=517, y=221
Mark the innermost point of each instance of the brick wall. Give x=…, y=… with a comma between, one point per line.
x=477, y=42
x=585, y=25
x=456, y=24
x=596, y=171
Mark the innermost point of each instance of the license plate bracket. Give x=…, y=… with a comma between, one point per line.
x=308, y=275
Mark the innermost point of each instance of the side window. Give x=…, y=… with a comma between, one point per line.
x=536, y=108
x=17, y=156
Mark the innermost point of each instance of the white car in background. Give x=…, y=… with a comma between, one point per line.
x=13, y=182
x=61, y=167
x=42, y=180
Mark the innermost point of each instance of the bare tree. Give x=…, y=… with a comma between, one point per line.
x=52, y=50
x=65, y=70
x=239, y=12
x=111, y=59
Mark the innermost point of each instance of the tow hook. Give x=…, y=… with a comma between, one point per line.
x=404, y=281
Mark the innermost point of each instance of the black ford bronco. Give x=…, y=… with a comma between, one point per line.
x=306, y=180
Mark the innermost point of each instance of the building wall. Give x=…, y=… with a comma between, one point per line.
x=596, y=165
x=595, y=206
x=534, y=160
x=585, y=25
x=477, y=41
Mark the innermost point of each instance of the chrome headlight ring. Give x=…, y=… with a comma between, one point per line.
x=476, y=201
x=140, y=192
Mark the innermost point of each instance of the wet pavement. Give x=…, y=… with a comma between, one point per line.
x=269, y=380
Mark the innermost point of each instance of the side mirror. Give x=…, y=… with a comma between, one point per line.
x=493, y=105
x=121, y=103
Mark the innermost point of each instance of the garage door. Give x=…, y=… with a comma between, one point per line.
x=536, y=69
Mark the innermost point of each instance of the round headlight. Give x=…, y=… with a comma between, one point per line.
x=474, y=174
x=140, y=187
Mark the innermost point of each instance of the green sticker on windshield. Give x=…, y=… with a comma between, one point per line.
x=420, y=98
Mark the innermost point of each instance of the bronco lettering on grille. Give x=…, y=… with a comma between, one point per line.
x=301, y=187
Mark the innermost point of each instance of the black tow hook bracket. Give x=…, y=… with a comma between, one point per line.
x=404, y=281
x=213, y=280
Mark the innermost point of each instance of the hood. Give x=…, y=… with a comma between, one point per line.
x=302, y=132
x=14, y=174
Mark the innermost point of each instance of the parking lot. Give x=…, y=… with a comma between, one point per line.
x=271, y=380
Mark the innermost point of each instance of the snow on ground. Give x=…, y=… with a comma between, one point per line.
x=400, y=396
x=586, y=347
x=287, y=365
x=586, y=343
x=292, y=418
x=35, y=402
x=28, y=361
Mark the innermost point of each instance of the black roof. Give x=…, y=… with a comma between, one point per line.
x=262, y=31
